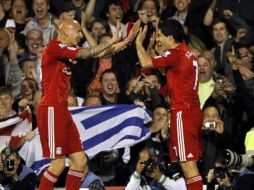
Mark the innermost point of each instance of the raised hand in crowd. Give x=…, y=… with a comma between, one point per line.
x=216, y=125
x=236, y=64
x=84, y=18
x=240, y=34
x=155, y=174
x=13, y=49
x=140, y=166
x=227, y=13
x=141, y=36
x=223, y=87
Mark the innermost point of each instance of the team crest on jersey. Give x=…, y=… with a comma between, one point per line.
x=58, y=150
x=62, y=46
x=165, y=54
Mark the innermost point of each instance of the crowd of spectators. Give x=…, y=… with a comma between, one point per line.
x=220, y=32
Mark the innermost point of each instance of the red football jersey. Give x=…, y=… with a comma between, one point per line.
x=182, y=75
x=56, y=61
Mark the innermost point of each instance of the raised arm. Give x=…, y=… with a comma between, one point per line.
x=90, y=9
x=124, y=43
x=93, y=51
x=144, y=59
x=84, y=18
x=208, y=18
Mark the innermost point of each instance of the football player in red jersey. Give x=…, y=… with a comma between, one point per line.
x=58, y=133
x=181, y=68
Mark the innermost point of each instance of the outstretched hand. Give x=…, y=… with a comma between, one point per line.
x=134, y=31
x=116, y=36
x=141, y=36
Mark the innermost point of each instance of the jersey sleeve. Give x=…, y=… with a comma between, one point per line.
x=61, y=51
x=167, y=59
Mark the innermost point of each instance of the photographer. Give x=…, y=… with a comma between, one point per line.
x=215, y=138
x=221, y=176
x=16, y=176
x=148, y=174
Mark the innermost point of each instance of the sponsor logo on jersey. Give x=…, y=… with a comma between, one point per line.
x=58, y=150
x=164, y=54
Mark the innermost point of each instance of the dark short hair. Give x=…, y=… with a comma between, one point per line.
x=211, y=105
x=91, y=96
x=107, y=5
x=22, y=62
x=103, y=22
x=174, y=28
x=217, y=21
x=5, y=91
x=109, y=71
x=156, y=2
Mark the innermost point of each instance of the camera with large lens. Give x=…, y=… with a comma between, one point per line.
x=230, y=158
x=150, y=165
x=219, y=172
x=9, y=164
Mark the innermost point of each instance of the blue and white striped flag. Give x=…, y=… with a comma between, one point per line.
x=101, y=128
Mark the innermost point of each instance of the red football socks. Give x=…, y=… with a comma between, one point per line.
x=47, y=181
x=73, y=179
x=194, y=183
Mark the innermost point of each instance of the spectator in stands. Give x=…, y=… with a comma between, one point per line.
x=148, y=174
x=34, y=43
x=160, y=128
x=206, y=82
x=19, y=13
x=244, y=61
x=219, y=175
x=6, y=5
x=4, y=44
x=34, y=40
x=10, y=72
x=76, y=6
x=114, y=13
x=215, y=138
x=17, y=17
x=110, y=90
x=42, y=21
x=72, y=100
x=92, y=100
x=142, y=91
x=6, y=102
x=17, y=175
x=28, y=89
x=97, y=28
x=210, y=56
x=28, y=69
x=223, y=39
x=91, y=180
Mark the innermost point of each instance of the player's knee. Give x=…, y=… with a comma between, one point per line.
x=79, y=162
x=57, y=166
